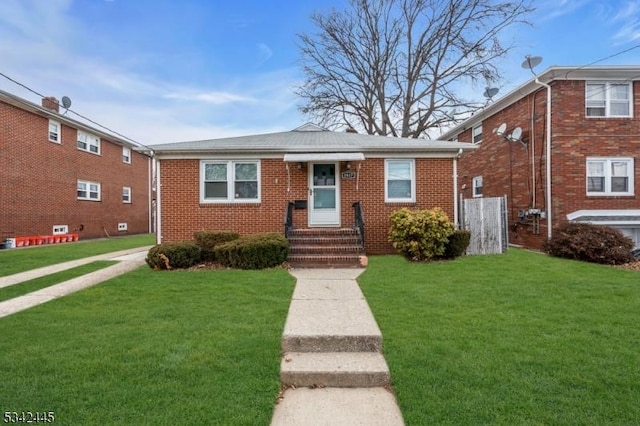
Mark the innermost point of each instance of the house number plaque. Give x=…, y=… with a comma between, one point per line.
x=348, y=175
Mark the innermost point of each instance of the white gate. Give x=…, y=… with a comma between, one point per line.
x=486, y=220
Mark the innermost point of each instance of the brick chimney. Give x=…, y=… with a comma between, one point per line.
x=351, y=130
x=50, y=102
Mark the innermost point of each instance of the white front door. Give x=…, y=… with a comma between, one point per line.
x=324, y=194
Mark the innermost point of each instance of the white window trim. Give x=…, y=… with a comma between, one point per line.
x=607, y=177
x=58, y=133
x=60, y=229
x=126, y=190
x=89, y=139
x=230, y=181
x=88, y=197
x=126, y=155
x=122, y=226
x=475, y=186
x=473, y=133
x=607, y=99
x=412, y=162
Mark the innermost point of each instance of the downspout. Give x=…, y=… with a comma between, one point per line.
x=548, y=162
x=455, y=188
x=158, y=205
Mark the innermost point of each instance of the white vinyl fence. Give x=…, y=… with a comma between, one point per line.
x=486, y=219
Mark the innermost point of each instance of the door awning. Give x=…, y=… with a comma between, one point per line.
x=324, y=156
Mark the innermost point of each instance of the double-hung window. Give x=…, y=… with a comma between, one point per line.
x=126, y=155
x=608, y=99
x=610, y=176
x=54, y=131
x=477, y=186
x=88, y=142
x=230, y=181
x=400, y=181
x=126, y=195
x=88, y=190
x=476, y=133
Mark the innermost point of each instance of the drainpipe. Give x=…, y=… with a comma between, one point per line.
x=548, y=162
x=455, y=188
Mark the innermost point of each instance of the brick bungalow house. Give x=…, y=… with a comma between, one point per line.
x=59, y=176
x=561, y=147
x=310, y=178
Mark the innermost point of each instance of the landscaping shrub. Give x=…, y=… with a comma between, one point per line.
x=173, y=255
x=207, y=240
x=457, y=244
x=253, y=251
x=590, y=243
x=420, y=234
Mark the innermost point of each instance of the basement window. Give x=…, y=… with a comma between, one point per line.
x=60, y=229
x=122, y=227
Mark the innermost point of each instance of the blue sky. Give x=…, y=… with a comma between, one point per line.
x=166, y=70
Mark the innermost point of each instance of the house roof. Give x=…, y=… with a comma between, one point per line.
x=555, y=73
x=311, y=139
x=47, y=113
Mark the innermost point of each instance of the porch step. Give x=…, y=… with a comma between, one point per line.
x=334, y=369
x=325, y=247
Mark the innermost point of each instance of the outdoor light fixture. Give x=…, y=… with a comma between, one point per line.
x=299, y=166
x=348, y=165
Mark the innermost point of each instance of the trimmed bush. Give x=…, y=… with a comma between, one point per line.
x=457, y=244
x=207, y=240
x=173, y=255
x=253, y=251
x=420, y=234
x=590, y=243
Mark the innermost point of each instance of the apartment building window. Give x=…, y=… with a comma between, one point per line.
x=88, y=190
x=88, y=142
x=476, y=133
x=476, y=183
x=400, y=178
x=608, y=99
x=126, y=155
x=54, y=131
x=610, y=176
x=230, y=181
x=126, y=195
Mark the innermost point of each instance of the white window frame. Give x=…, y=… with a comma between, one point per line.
x=126, y=155
x=60, y=229
x=476, y=133
x=88, y=142
x=607, y=175
x=607, y=100
x=230, y=180
x=89, y=188
x=55, y=136
x=126, y=195
x=476, y=183
x=412, y=164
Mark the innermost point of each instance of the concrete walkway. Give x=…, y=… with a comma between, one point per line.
x=332, y=366
x=128, y=260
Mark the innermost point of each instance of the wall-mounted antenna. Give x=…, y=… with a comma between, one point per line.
x=530, y=62
x=66, y=103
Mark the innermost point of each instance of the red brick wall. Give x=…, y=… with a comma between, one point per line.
x=39, y=181
x=182, y=214
x=507, y=168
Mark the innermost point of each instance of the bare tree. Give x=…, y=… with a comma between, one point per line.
x=392, y=67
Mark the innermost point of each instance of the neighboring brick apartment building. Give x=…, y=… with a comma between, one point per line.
x=243, y=184
x=594, y=142
x=60, y=176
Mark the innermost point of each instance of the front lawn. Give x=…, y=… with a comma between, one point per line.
x=151, y=348
x=17, y=260
x=519, y=338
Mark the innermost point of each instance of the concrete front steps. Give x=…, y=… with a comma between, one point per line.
x=325, y=247
x=332, y=370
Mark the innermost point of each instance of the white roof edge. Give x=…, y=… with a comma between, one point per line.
x=580, y=213
x=324, y=156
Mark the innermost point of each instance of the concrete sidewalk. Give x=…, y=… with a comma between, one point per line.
x=128, y=260
x=332, y=367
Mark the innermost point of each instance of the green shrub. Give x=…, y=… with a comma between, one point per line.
x=173, y=255
x=420, y=234
x=457, y=244
x=207, y=240
x=590, y=243
x=253, y=251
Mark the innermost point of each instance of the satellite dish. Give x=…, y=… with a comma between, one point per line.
x=490, y=92
x=66, y=102
x=516, y=135
x=501, y=129
x=530, y=62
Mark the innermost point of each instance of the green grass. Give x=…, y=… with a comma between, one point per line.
x=151, y=348
x=49, y=280
x=512, y=339
x=13, y=261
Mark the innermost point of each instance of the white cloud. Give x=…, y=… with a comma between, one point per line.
x=216, y=98
x=627, y=19
x=264, y=53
